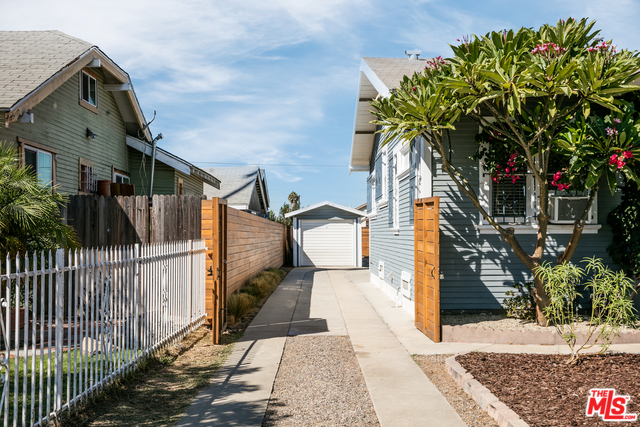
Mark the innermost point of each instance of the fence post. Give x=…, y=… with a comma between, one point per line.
x=59, y=310
x=136, y=300
x=189, y=309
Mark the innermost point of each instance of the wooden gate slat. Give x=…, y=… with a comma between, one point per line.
x=427, y=266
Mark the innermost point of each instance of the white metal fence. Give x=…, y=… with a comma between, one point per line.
x=72, y=323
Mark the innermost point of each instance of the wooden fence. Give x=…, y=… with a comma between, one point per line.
x=254, y=244
x=240, y=246
x=111, y=221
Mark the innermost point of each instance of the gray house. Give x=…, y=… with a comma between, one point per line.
x=245, y=188
x=476, y=265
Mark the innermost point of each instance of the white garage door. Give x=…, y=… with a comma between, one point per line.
x=327, y=243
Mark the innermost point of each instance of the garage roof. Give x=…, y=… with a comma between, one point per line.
x=323, y=204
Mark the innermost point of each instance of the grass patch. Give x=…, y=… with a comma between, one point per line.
x=253, y=294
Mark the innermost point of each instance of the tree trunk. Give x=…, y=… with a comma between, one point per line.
x=542, y=301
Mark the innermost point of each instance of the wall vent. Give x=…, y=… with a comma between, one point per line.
x=381, y=269
x=405, y=280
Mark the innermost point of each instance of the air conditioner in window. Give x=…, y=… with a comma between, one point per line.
x=566, y=209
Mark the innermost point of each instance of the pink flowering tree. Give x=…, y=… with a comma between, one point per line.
x=532, y=92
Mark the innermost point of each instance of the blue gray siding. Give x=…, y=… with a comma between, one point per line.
x=395, y=250
x=476, y=269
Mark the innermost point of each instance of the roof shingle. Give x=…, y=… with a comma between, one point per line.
x=29, y=58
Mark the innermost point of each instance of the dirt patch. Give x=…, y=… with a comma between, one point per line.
x=544, y=391
x=434, y=367
x=502, y=322
x=160, y=391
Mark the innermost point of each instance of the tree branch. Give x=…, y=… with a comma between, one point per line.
x=578, y=227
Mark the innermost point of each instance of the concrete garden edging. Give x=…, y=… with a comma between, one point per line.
x=482, y=396
x=472, y=334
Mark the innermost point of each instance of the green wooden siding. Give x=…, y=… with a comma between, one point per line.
x=61, y=123
x=193, y=185
x=164, y=181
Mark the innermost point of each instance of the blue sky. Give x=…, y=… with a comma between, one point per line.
x=274, y=83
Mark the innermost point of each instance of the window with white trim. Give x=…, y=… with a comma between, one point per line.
x=395, y=203
x=121, y=178
x=403, y=164
x=384, y=180
x=88, y=89
x=41, y=162
x=513, y=200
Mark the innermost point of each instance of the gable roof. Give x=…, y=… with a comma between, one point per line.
x=35, y=63
x=378, y=77
x=323, y=204
x=238, y=183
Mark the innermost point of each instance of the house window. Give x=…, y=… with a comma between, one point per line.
x=395, y=203
x=384, y=180
x=88, y=89
x=403, y=160
x=87, y=178
x=121, y=178
x=41, y=162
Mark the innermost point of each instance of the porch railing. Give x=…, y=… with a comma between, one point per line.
x=73, y=322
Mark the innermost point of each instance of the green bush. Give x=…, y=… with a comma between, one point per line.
x=611, y=307
x=238, y=305
x=521, y=305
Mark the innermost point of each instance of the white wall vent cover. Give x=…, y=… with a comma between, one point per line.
x=381, y=269
x=406, y=284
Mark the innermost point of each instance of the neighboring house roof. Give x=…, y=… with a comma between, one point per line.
x=238, y=184
x=173, y=161
x=362, y=207
x=323, y=204
x=35, y=63
x=378, y=77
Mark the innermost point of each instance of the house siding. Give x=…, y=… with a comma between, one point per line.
x=394, y=249
x=60, y=123
x=164, y=176
x=193, y=184
x=476, y=269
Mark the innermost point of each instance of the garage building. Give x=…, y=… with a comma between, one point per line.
x=327, y=235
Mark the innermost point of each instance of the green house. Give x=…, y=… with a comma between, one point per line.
x=75, y=119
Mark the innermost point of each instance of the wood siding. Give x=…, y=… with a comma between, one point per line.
x=164, y=176
x=193, y=184
x=60, y=123
x=254, y=244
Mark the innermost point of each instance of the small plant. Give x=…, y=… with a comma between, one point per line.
x=611, y=307
x=238, y=305
x=520, y=303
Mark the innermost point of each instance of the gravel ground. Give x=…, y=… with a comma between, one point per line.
x=501, y=321
x=434, y=367
x=319, y=383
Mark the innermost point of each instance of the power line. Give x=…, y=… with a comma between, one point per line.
x=268, y=164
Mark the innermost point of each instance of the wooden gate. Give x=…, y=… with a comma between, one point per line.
x=214, y=231
x=427, y=266
x=365, y=241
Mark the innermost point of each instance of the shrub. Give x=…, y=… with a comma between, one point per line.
x=521, y=305
x=611, y=307
x=238, y=305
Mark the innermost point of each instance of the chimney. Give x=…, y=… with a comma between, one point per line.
x=413, y=54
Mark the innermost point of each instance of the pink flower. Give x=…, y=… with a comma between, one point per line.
x=495, y=179
x=616, y=120
x=627, y=154
x=513, y=181
x=498, y=166
x=507, y=170
x=414, y=88
x=621, y=163
x=611, y=132
x=613, y=159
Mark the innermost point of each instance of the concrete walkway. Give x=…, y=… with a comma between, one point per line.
x=337, y=302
